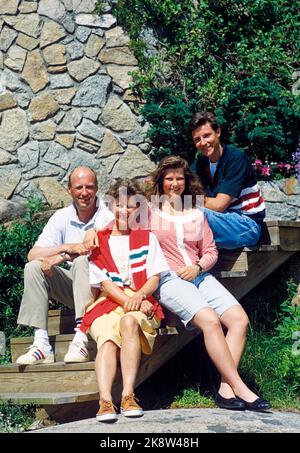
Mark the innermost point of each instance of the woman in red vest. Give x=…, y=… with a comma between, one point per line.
x=124, y=271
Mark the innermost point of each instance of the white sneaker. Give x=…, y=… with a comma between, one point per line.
x=77, y=353
x=35, y=355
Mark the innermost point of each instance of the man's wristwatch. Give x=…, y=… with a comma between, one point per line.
x=200, y=268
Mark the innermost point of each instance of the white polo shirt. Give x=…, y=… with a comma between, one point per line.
x=64, y=227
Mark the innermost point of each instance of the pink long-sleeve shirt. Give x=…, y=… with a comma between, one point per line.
x=185, y=240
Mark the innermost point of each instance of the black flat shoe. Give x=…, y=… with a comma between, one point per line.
x=258, y=405
x=232, y=404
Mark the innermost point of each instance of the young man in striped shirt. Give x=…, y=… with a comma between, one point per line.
x=234, y=206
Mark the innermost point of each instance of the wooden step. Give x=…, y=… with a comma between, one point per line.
x=49, y=398
x=281, y=233
x=231, y=263
x=61, y=321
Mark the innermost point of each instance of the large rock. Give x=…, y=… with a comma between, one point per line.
x=34, y=72
x=280, y=211
x=75, y=50
x=83, y=68
x=7, y=37
x=80, y=158
x=56, y=195
x=61, y=81
x=110, y=145
x=9, y=6
x=66, y=140
x=7, y=158
x=26, y=23
x=118, y=55
x=16, y=58
x=7, y=101
x=55, y=55
x=10, y=176
x=133, y=164
x=57, y=155
x=93, y=92
x=27, y=7
x=116, y=38
x=51, y=33
x=118, y=116
x=43, y=107
x=70, y=121
x=29, y=156
x=43, y=131
x=120, y=74
x=271, y=192
x=64, y=95
x=53, y=9
x=13, y=129
x=10, y=210
x=89, y=129
x=94, y=45
x=27, y=42
x=82, y=33
x=104, y=21
x=84, y=6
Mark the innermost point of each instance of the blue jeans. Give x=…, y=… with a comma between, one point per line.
x=233, y=230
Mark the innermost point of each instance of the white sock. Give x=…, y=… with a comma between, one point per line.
x=41, y=339
x=80, y=337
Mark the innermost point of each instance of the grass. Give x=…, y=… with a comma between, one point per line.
x=191, y=398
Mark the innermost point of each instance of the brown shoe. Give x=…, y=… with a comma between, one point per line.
x=106, y=412
x=129, y=406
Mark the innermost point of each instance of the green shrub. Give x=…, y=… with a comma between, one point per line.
x=15, y=243
x=15, y=418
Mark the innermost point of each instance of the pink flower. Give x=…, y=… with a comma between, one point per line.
x=257, y=162
x=266, y=170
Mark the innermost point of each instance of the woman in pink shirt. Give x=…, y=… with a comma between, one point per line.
x=201, y=302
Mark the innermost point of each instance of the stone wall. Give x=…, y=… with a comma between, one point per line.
x=282, y=199
x=65, y=99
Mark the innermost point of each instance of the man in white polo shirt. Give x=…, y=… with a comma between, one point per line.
x=44, y=279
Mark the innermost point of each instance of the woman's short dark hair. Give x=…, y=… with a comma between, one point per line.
x=201, y=118
x=131, y=186
x=193, y=185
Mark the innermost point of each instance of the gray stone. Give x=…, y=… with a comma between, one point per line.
x=118, y=55
x=7, y=158
x=34, y=72
x=16, y=58
x=26, y=189
x=118, y=116
x=57, y=155
x=89, y=129
x=66, y=140
x=13, y=129
x=43, y=131
x=53, y=9
x=10, y=210
x=94, y=45
x=7, y=101
x=57, y=69
x=42, y=107
x=120, y=74
x=70, y=121
x=23, y=100
x=55, y=54
x=68, y=5
x=10, y=176
x=75, y=50
x=7, y=37
x=27, y=7
x=86, y=143
x=27, y=42
x=79, y=157
x=145, y=147
x=133, y=164
x=44, y=169
x=29, y=155
x=110, y=145
x=109, y=163
x=55, y=194
x=84, y=6
x=280, y=211
x=61, y=81
x=68, y=23
x=91, y=20
x=9, y=6
x=116, y=37
x=1, y=61
x=59, y=117
x=82, y=33
x=51, y=33
x=64, y=95
x=293, y=200
x=83, y=68
x=93, y=92
x=26, y=23
x=92, y=113
x=271, y=192
x=13, y=83
x=67, y=40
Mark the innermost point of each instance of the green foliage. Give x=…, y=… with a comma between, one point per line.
x=15, y=242
x=15, y=418
x=217, y=52
x=169, y=116
x=271, y=359
x=192, y=398
x=258, y=118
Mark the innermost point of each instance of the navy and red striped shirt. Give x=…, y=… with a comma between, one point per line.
x=234, y=176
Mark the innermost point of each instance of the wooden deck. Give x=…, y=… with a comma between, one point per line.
x=69, y=385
